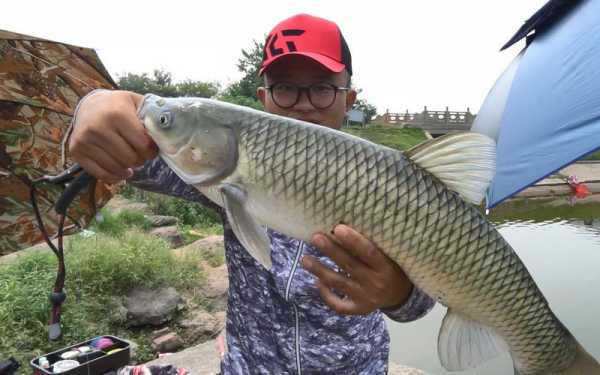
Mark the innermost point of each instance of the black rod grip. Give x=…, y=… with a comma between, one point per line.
x=78, y=184
x=64, y=176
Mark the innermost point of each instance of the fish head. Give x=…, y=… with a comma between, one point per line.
x=193, y=137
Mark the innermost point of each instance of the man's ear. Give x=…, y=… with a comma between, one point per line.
x=261, y=92
x=350, y=99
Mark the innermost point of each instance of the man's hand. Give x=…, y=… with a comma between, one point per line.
x=108, y=139
x=371, y=280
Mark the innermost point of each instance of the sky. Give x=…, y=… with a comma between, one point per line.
x=406, y=54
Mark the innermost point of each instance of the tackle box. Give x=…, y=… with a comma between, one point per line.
x=96, y=362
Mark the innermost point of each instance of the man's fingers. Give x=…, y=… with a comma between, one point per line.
x=337, y=304
x=104, y=163
x=137, y=135
x=342, y=257
x=354, y=303
x=361, y=247
x=121, y=150
x=137, y=138
x=330, y=278
x=108, y=138
x=100, y=173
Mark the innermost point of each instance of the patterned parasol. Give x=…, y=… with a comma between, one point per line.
x=41, y=82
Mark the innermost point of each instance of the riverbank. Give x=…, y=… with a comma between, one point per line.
x=204, y=359
x=555, y=184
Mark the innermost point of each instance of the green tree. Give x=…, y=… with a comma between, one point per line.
x=197, y=88
x=243, y=92
x=161, y=83
x=249, y=65
x=242, y=100
x=368, y=109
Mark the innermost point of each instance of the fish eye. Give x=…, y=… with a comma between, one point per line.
x=164, y=119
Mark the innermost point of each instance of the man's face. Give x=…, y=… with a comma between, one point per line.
x=303, y=71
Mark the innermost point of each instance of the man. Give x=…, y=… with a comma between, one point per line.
x=319, y=309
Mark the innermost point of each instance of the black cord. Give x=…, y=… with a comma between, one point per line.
x=38, y=217
x=76, y=184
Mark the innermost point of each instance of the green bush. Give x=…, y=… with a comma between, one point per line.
x=188, y=213
x=117, y=224
x=99, y=268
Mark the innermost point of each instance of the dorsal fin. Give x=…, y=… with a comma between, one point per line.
x=465, y=162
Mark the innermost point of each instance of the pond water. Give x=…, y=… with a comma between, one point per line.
x=563, y=256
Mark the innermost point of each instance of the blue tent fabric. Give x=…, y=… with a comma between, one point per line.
x=551, y=115
x=543, y=19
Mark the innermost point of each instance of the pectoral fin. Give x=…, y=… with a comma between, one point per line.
x=212, y=192
x=251, y=235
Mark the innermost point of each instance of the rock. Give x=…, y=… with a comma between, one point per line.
x=118, y=204
x=217, y=282
x=167, y=343
x=161, y=332
x=205, y=359
x=211, y=244
x=118, y=312
x=161, y=220
x=396, y=369
x=169, y=234
x=39, y=248
x=200, y=359
x=221, y=317
x=201, y=326
x=151, y=306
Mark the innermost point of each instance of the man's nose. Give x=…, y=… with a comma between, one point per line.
x=303, y=101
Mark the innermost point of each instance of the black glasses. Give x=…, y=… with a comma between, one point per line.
x=320, y=95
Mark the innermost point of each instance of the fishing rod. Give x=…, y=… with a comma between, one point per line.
x=74, y=179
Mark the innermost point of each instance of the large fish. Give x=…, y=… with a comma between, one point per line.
x=300, y=178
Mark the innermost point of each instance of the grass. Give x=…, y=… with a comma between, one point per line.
x=543, y=210
x=593, y=156
x=400, y=139
x=99, y=268
x=214, y=258
x=116, y=225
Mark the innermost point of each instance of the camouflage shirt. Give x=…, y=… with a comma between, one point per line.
x=276, y=319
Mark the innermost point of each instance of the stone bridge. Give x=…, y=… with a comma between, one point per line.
x=435, y=122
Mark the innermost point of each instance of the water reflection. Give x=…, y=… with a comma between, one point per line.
x=563, y=256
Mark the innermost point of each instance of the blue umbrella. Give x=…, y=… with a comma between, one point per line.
x=544, y=110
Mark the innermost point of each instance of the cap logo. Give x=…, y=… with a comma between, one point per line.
x=285, y=34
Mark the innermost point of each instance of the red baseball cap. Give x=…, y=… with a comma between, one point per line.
x=313, y=37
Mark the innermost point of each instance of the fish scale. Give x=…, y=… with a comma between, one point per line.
x=314, y=177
